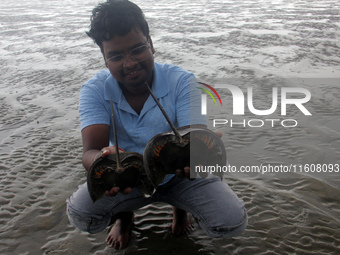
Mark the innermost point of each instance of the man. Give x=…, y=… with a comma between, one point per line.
x=122, y=33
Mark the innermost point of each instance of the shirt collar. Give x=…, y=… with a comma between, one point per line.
x=160, y=88
x=112, y=89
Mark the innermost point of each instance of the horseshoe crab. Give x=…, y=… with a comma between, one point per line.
x=198, y=148
x=124, y=169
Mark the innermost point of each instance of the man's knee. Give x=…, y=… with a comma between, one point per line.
x=228, y=228
x=87, y=223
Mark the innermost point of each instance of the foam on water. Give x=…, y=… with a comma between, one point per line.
x=45, y=56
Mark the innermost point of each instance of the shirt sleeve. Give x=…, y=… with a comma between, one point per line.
x=92, y=106
x=188, y=103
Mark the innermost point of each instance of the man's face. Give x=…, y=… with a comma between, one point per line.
x=129, y=73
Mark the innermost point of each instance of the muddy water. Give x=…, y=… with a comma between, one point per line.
x=45, y=56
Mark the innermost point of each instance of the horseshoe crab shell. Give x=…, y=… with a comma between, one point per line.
x=103, y=174
x=164, y=153
x=192, y=147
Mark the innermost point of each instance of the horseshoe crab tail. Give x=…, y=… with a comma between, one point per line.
x=179, y=137
x=119, y=166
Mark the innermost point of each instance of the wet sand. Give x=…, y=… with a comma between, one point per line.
x=45, y=56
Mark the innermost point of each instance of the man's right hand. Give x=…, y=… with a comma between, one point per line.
x=106, y=151
x=114, y=191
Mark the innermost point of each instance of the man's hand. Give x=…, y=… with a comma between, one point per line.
x=219, y=134
x=114, y=191
x=183, y=173
x=106, y=151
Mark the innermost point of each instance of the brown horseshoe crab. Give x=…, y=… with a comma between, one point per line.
x=198, y=148
x=124, y=169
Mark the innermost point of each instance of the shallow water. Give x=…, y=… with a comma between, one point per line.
x=45, y=56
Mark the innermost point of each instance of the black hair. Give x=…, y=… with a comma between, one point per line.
x=116, y=17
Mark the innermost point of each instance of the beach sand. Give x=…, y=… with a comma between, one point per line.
x=45, y=56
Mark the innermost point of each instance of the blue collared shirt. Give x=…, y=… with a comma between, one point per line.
x=175, y=88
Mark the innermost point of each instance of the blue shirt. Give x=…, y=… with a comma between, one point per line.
x=176, y=90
